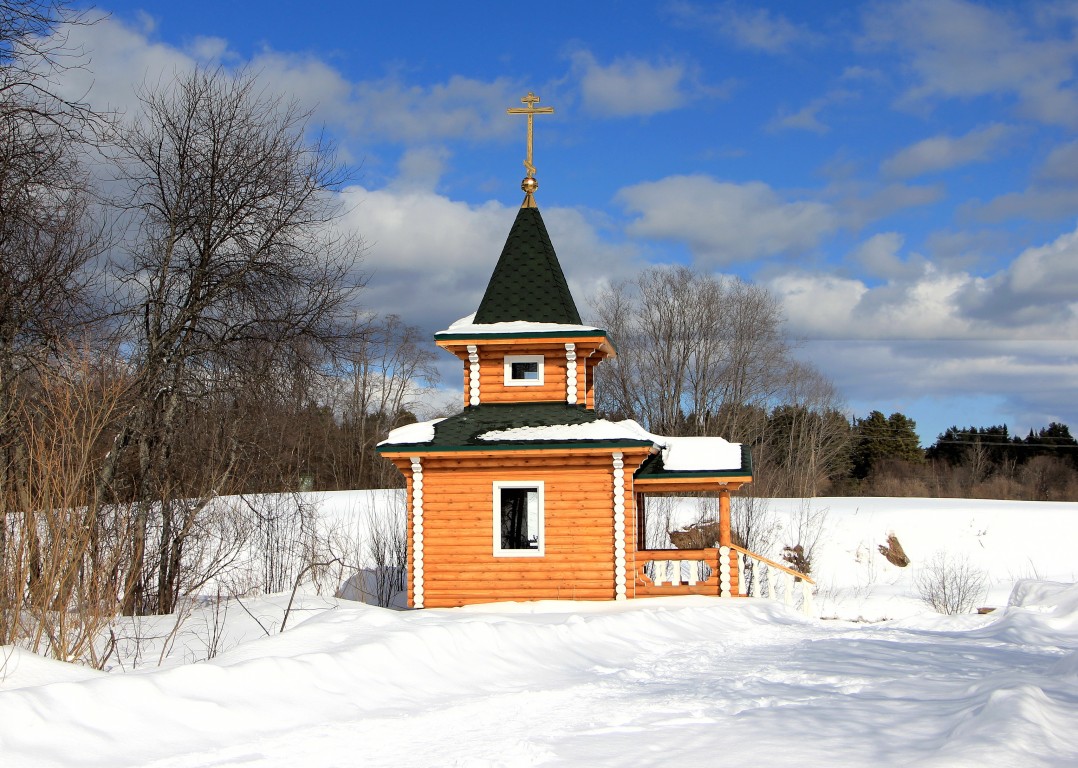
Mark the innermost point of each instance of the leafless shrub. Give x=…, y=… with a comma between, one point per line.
x=805, y=533
x=60, y=548
x=950, y=584
x=387, y=549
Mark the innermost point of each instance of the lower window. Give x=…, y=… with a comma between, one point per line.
x=518, y=519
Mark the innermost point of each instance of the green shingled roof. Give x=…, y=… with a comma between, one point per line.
x=461, y=432
x=528, y=283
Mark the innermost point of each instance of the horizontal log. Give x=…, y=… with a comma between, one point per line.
x=555, y=493
x=517, y=582
x=561, y=563
x=457, y=602
x=483, y=596
x=684, y=589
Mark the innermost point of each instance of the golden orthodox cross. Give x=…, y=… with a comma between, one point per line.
x=531, y=111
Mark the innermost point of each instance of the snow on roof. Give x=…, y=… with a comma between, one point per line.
x=468, y=326
x=699, y=454
x=420, y=432
x=601, y=429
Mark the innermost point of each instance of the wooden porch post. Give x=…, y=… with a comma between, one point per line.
x=728, y=571
x=724, y=518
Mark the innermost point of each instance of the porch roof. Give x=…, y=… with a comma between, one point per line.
x=653, y=474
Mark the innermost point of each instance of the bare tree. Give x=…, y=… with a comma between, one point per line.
x=48, y=240
x=807, y=440
x=231, y=254
x=383, y=373
x=696, y=353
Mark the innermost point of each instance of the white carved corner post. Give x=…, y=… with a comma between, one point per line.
x=619, y=527
x=570, y=373
x=417, y=532
x=724, y=572
x=473, y=374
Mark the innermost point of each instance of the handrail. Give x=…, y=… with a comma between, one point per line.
x=677, y=554
x=773, y=564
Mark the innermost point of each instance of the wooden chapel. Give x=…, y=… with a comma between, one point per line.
x=527, y=493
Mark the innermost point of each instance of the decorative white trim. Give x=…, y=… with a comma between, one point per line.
x=619, y=527
x=498, y=485
x=570, y=373
x=473, y=374
x=508, y=370
x=417, y=531
x=724, y=572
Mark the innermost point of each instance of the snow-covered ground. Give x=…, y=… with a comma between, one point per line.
x=673, y=681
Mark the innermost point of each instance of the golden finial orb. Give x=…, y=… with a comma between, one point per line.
x=529, y=185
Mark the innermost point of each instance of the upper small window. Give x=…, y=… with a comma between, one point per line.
x=523, y=370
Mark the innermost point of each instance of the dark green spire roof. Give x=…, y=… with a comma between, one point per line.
x=528, y=283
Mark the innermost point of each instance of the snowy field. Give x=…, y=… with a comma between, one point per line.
x=875, y=678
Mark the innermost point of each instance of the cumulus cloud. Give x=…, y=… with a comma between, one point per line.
x=1007, y=339
x=629, y=86
x=1035, y=296
x=940, y=153
x=1039, y=288
x=722, y=222
x=880, y=256
x=960, y=49
x=753, y=28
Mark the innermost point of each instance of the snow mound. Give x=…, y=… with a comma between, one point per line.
x=20, y=668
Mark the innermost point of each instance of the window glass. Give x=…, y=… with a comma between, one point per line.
x=523, y=370
x=518, y=519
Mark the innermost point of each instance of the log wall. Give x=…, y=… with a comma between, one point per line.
x=459, y=565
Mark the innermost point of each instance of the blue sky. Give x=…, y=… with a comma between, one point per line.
x=903, y=175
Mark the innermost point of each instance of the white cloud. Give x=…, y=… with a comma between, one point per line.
x=1038, y=201
x=430, y=257
x=756, y=29
x=829, y=307
x=807, y=118
x=1035, y=297
x=860, y=203
x=124, y=57
x=121, y=59
x=629, y=86
x=879, y=255
x=1061, y=164
x=958, y=49
x=940, y=153
x=723, y=222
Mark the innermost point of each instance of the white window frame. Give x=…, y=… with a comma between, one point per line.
x=499, y=485
x=508, y=370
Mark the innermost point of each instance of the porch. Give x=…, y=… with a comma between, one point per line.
x=724, y=571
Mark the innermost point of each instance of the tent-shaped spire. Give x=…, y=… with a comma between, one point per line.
x=528, y=283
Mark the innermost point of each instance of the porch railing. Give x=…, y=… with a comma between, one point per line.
x=718, y=571
x=766, y=578
x=685, y=572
